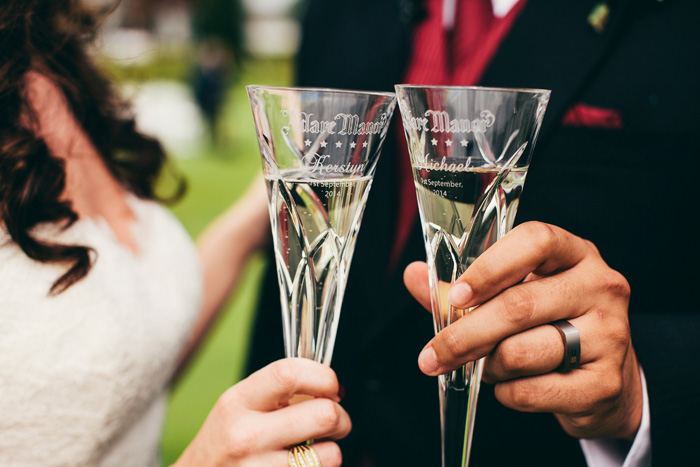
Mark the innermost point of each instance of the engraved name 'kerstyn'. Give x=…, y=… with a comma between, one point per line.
x=342, y=124
x=316, y=163
x=439, y=121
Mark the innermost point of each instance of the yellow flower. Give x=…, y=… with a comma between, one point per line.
x=599, y=16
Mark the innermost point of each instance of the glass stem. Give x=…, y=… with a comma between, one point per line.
x=459, y=391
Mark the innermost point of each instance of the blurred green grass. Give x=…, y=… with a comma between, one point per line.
x=216, y=178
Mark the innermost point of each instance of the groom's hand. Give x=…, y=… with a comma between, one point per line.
x=535, y=275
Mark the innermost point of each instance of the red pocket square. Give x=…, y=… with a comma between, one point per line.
x=592, y=117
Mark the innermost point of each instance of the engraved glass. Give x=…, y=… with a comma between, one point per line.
x=470, y=150
x=319, y=151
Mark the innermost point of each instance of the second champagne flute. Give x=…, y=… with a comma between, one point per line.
x=470, y=149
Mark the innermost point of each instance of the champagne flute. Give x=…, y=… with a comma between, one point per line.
x=470, y=150
x=319, y=150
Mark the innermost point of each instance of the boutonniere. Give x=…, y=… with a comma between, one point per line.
x=598, y=17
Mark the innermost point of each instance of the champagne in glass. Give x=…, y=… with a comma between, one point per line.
x=319, y=150
x=470, y=150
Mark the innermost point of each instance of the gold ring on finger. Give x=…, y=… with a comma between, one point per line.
x=302, y=455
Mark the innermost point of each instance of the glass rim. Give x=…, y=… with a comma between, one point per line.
x=256, y=87
x=472, y=88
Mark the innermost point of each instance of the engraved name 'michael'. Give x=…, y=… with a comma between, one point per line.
x=424, y=162
x=439, y=121
x=342, y=124
x=316, y=163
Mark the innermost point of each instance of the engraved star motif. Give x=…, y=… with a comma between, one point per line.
x=307, y=142
x=338, y=144
x=448, y=143
x=364, y=145
x=323, y=144
x=352, y=145
x=464, y=143
x=433, y=142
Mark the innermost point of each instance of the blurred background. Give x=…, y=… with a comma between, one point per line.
x=184, y=65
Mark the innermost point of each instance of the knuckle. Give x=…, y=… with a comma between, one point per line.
x=620, y=335
x=241, y=443
x=479, y=271
x=591, y=247
x=326, y=415
x=578, y=426
x=615, y=284
x=542, y=236
x=610, y=387
x=227, y=397
x=332, y=456
x=518, y=306
x=228, y=401
x=331, y=379
x=527, y=227
x=451, y=343
x=488, y=376
x=522, y=397
x=617, y=332
x=282, y=374
x=511, y=355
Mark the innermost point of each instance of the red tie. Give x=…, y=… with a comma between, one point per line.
x=440, y=57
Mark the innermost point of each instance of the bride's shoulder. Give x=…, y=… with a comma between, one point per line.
x=22, y=278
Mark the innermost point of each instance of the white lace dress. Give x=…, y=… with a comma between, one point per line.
x=83, y=375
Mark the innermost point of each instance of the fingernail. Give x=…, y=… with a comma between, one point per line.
x=460, y=294
x=427, y=361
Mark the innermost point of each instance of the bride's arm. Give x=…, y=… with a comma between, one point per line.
x=224, y=249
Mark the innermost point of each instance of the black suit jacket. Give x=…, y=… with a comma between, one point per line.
x=631, y=191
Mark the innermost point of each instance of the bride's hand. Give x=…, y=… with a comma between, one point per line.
x=252, y=424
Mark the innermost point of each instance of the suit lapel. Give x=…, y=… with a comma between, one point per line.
x=557, y=48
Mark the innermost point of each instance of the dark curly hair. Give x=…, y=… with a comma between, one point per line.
x=50, y=37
